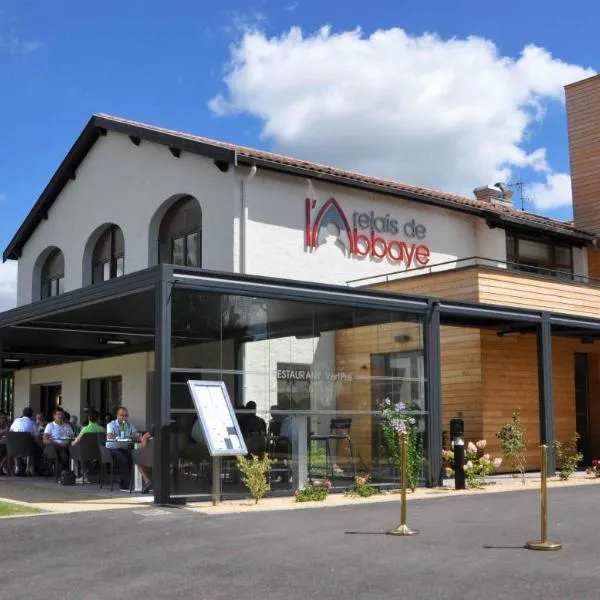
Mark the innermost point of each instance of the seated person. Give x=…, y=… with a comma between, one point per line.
x=40, y=423
x=25, y=424
x=144, y=459
x=58, y=433
x=75, y=425
x=253, y=424
x=121, y=428
x=91, y=427
x=4, y=425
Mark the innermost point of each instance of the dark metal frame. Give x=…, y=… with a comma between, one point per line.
x=435, y=312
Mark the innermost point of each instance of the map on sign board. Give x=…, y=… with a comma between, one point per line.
x=219, y=423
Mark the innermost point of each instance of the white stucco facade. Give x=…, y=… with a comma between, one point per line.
x=254, y=222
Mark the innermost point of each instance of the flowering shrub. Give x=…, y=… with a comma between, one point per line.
x=567, y=457
x=594, y=470
x=478, y=465
x=394, y=420
x=363, y=488
x=513, y=444
x=315, y=492
x=255, y=472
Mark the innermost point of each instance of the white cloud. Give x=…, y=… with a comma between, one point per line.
x=554, y=193
x=8, y=285
x=15, y=45
x=450, y=114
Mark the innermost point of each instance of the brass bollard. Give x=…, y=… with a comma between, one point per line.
x=403, y=528
x=543, y=543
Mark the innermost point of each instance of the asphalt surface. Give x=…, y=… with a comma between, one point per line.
x=468, y=548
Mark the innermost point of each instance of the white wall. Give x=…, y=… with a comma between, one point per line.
x=125, y=184
x=132, y=368
x=275, y=243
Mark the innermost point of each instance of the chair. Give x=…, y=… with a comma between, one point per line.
x=51, y=458
x=19, y=445
x=87, y=452
x=339, y=430
x=106, y=458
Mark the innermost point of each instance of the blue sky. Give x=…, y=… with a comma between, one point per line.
x=61, y=61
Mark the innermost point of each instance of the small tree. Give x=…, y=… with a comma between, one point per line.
x=567, y=457
x=255, y=472
x=513, y=444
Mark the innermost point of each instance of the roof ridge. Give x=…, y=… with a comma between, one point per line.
x=251, y=152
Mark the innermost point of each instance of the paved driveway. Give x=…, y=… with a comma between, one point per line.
x=469, y=548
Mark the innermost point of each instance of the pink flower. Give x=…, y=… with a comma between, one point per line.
x=497, y=462
x=594, y=463
x=449, y=472
x=469, y=465
x=481, y=444
x=471, y=447
x=486, y=457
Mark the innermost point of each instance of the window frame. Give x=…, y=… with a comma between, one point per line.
x=52, y=279
x=114, y=263
x=551, y=267
x=169, y=234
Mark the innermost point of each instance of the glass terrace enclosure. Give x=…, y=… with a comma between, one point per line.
x=316, y=376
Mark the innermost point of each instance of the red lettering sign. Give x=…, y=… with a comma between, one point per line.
x=331, y=220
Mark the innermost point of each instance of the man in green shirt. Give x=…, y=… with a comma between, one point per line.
x=91, y=427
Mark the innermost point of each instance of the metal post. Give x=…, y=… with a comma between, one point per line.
x=216, y=480
x=546, y=395
x=403, y=529
x=162, y=386
x=433, y=390
x=543, y=543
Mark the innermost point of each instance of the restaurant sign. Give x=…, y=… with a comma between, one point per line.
x=366, y=234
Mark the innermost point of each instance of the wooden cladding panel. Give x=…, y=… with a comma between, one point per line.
x=510, y=382
x=457, y=285
x=583, y=111
x=520, y=290
x=593, y=257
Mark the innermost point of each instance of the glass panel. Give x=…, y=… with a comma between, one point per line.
x=54, y=287
x=97, y=273
x=120, y=266
x=178, y=251
x=563, y=256
x=192, y=250
x=534, y=250
x=61, y=285
x=307, y=381
x=106, y=271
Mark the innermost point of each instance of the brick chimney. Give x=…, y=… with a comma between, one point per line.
x=583, y=118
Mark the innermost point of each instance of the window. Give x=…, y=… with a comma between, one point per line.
x=180, y=235
x=293, y=386
x=53, y=275
x=108, y=259
x=542, y=257
x=103, y=394
x=399, y=376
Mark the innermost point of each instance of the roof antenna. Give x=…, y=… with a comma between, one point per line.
x=520, y=185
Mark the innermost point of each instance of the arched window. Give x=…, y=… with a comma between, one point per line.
x=53, y=275
x=180, y=234
x=108, y=258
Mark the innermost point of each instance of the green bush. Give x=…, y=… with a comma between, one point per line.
x=513, y=444
x=313, y=493
x=362, y=488
x=567, y=457
x=255, y=474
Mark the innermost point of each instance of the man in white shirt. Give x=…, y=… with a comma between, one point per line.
x=25, y=424
x=59, y=434
x=122, y=429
